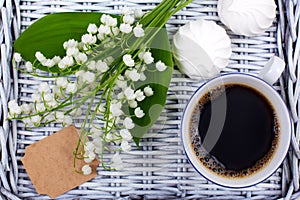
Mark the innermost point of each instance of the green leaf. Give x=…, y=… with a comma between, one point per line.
x=48, y=34
x=159, y=82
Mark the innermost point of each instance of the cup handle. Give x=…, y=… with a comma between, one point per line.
x=272, y=70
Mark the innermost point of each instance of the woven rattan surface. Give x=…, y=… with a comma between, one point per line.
x=159, y=169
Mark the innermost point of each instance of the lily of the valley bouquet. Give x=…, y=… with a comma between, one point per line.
x=110, y=72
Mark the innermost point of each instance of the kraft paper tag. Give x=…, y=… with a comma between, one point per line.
x=49, y=163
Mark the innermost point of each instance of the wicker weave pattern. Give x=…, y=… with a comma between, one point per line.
x=159, y=169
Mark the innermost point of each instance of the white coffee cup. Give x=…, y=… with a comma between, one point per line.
x=284, y=133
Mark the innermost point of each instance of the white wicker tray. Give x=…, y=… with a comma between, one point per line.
x=159, y=169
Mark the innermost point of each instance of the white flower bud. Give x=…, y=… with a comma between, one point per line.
x=101, y=66
x=73, y=51
x=160, y=66
x=147, y=58
x=86, y=170
x=71, y=88
x=148, y=91
x=133, y=75
x=139, y=113
x=70, y=43
x=129, y=93
x=138, y=31
x=61, y=82
x=28, y=66
x=88, y=39
x=117, y=162
x=40, y=57
x=104, y=29
x=128, y=123
x=128, y=60
x=81, y=58
x=125, y=28
x=139, y=95
x=92, y=28
x=125, y=134
x=125, y=146
x=44, y=87
x=138, y=13
x=127, y=19
x=132, y=104
x=17, y=57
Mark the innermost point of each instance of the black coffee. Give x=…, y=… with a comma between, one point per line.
x=243, y=140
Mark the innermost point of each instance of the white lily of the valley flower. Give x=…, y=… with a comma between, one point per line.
x=36, y=97
x=115, y=31
x=36, y=120
x=147, y=58
x=139, y=113
x=148, y=91
x=14, y=108
x=26, y=108
x=48, y=97
x=100, y=36
x=121, y=83
x=125, y=134
x=81, y=58
x=72, y=51
x=70, y=43
x=88, y=39
x=40, y=57
x=86, y=170
x=138, y=13
x=28, y=122
x=128, y=123
x=127, y=59
x=89, y=146
x=101, y=66
x=104, y=29
x=67, y=61
x=71, y=88
x=115, y=109
x=139, y=95
x=12, y=104
x=17, y=57
x=28, y=66
x=61, y=82
x=111, y=21
x=88, y=77
x=89, y=157
x=125, y=146
x=67, y=120
x=132, y=104
x=117, y=162
x=59, y=116
x=49, y=118
x=133, y=75
x=129, y=94
x=48, y=63
x=160, y=66
x=44, y=87
x=40, y=107
x=56, y=59
x=125, y=28
x=126, y=10
x=91, y=65
x=127, y=19
x=138, y=31
x=92, y=28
